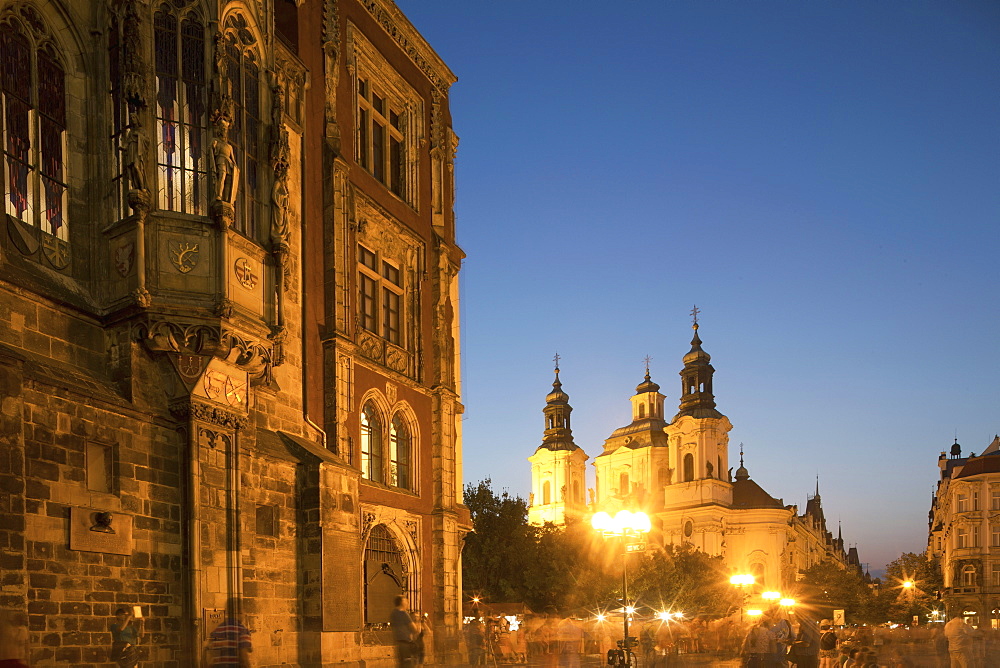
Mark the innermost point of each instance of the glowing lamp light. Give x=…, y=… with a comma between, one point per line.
x=601, y=521
x=771, y=595
x=754, y=613
x=678, y=615
x=786, y=602
x=664, y=616
x=629, y=610
x=624, y=522
x=742, y=580
x=601, y=618
x=908, y=584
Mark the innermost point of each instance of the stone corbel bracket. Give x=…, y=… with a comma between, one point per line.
x=254, y=357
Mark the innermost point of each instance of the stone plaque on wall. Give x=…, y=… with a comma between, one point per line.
x=93, y=530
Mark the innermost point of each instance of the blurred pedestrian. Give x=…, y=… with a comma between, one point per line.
x=13, y=639
x=126, y=631
x=827, y=645
x=959, y=637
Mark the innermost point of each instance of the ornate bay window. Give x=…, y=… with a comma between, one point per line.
x=33, y=98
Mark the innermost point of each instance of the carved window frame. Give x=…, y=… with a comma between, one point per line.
x=373, y=75
x=44, y=160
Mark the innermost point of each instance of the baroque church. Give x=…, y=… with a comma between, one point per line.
x=677, y=470
x=229, y=364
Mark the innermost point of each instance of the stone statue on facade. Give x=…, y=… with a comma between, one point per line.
x=224, y=161
x=135, y=153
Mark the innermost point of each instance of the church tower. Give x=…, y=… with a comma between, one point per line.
x=698, y=435
x=558, y=467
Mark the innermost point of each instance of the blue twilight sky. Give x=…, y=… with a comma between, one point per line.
x=820, y=178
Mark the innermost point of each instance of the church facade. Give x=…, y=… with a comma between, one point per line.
x=677, y=470
x=228, y=329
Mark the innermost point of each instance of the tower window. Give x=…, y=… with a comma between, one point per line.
x=642, y=411
x=546, y=493
x=688, y=467
x=380, y=296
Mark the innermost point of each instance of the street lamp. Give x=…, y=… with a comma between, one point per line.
x=629, y=527
x=741, y=582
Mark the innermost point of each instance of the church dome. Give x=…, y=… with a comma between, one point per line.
x=647, y=385
x=696, y=355
x=557, y=396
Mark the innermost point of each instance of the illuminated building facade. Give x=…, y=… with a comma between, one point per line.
x=228, y=327
x=964, y=533
x=677, y=470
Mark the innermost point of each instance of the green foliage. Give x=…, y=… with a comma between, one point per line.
x=826, y=587
x=572, y=569
x=903, y=602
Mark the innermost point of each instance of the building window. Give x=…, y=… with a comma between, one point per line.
x=975, y=500
x=577, y=492
x=969, y=576
x=623, y=484
x=400, y=454
x=371, y=444
x=33, y=91
x=962, y=504
x=380, y=296
x=688, y=467
x=381, y=140
x=995, y=575
x=546, y=493
x=662, y=477
x=974, y=535
x=995, y=499
x=962, y=537
x=243, y=75
x=995, y=535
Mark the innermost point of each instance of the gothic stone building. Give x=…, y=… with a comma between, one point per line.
x=677, y=471
x=228, y=332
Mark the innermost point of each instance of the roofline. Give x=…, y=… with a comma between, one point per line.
x=392, y=19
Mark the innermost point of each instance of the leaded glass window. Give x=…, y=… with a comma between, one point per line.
x=243, y=80
x=400, y=454
x=371, y=444
x=181, y=112
x=33, y=99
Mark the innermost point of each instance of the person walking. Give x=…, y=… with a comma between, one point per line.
x=125, y=634
x=758, y=646
x=959, y=637
x=403, y=633
x=804, y=651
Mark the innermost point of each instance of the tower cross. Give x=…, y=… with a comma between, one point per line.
x=556, y=360
x=694, y=315
x=647, y=359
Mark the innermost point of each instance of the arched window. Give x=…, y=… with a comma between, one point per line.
x=400, y=456
x=33, y=90
x=181, y=111
x=688, y=467
x=969, y=576
x=371, y=444
x=386, y=575
x=546, y=493
x=243, y=73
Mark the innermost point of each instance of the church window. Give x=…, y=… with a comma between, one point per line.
x=380, y=282
x=577, y=495
x=400, y=454
x=381, y=141
x=688, y=467
x=181, y=112
x=662, y=477
x=969, y=576
x=642, y=411
x=371, y=444
x=33, y=93
x=962, y=504
x=243, y=74
x=623, y=488
x=688, y=529
x=546, y=493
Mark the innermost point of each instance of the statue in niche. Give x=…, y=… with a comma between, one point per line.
x=709, y=469
x=135, y=153
x=593, y=495
x=224, y=160
x=102, y=523
x=279, y=209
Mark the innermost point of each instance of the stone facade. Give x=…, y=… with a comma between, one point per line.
x=964, y=533
x=183, y=351
x=677, y=471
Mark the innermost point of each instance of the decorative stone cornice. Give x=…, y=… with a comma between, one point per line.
x=250, y=355
x=411, y=42
x=187, y=410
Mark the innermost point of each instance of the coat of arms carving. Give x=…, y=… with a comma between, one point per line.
x=123, y=258
x=245, y=273
x=183, y=255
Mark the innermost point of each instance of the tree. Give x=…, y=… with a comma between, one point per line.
x=828, y=586
x=924, y=578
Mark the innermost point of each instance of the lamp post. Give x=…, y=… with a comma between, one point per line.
x=742, y=582
x=630, y=528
